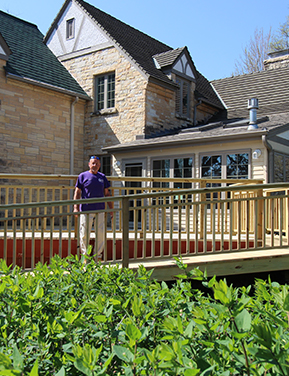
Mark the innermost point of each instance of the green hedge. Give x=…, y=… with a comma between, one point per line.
x=76, y=319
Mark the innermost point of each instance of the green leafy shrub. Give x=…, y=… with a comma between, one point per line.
x=74, y=319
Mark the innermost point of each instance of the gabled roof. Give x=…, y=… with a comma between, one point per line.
x=168, y=58
x=271, y=87
x=32, y=60
x=140, y=47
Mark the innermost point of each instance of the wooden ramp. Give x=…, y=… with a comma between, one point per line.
x=222, y=264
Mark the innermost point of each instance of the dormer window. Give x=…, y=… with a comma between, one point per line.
x=70, y=27
x=183, y=98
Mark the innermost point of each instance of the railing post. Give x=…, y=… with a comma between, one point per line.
x=125, y=232
x=260, y=222
x=202, y=210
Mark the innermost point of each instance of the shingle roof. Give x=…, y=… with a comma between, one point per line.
x=271, y=87
x=31, y=58
x=210, y=133
x=166, y=59
x=139, y=46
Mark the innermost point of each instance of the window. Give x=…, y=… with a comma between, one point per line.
x=236, y=166
x=104, y=91
x=281, y=167
x=173, y=167
x=105, y=165
x=183, y=98
x=70, y=27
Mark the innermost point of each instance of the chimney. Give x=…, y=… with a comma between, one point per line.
x=253, y=105
x=277, y=59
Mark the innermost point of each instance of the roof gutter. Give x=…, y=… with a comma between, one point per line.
x=269, y=157
x=48, y=86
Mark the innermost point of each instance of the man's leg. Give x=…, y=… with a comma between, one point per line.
x=99, y=246
x=84, y=231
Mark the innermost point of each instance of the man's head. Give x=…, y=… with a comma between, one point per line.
x=94, y=164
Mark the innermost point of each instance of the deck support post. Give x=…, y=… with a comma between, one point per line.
x=125, y=232
x=260, y=225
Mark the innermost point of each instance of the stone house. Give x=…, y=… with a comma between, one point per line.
x=40, y=103
x=147, y=111
x=141, y=87
x=157, y=115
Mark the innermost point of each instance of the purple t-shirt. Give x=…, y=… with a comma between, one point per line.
x=92, y=185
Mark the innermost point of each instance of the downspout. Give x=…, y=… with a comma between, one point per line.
x=269, y=149
x=195, y=111
x=71, y=168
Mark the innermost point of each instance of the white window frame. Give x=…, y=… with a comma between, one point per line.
x=96, y=92
x=172, y=158
x=224, y=154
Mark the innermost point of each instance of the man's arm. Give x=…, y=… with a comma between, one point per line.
x=76, y=196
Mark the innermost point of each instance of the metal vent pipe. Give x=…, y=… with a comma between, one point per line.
x=253, y=105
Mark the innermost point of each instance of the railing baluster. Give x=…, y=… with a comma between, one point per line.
x=125, y=232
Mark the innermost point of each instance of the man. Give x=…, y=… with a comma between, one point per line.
x=92, y=183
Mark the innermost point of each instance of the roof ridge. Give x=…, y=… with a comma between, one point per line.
x=122, y=22
x=246, y=75
x=19, y=19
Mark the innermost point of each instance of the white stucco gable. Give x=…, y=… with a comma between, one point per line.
x=86, y=33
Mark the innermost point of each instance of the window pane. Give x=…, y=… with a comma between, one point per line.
x=287, y=168
x=238, y=166
x=161, y=169
x=105, y=165
x=100, y=93
x=110, y=90
x=278, y=167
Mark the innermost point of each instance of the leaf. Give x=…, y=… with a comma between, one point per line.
x=5, y=362
x=39, y=292
x=137, y=306
x=34, y=371
x=123, y=353
x=81, y=366
x=243, y=321
x=165, y=352
x=133, y=332
x=286, y=303
x=189, y=329
x=191, y=372
x=61, y=372
x=17, y=359
x=100, y=318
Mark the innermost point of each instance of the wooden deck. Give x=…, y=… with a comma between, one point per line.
x=222, y=264
x=227, y=230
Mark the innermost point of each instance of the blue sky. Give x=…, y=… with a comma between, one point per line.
x=215, y=31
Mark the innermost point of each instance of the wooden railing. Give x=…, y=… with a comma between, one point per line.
x=148, y=225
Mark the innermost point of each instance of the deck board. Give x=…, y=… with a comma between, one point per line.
x=222, y=264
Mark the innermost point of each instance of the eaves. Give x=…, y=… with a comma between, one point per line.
x=48, y=86
x=202, y=140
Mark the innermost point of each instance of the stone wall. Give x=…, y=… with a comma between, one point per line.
x=35, y=129
x=127, y=120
